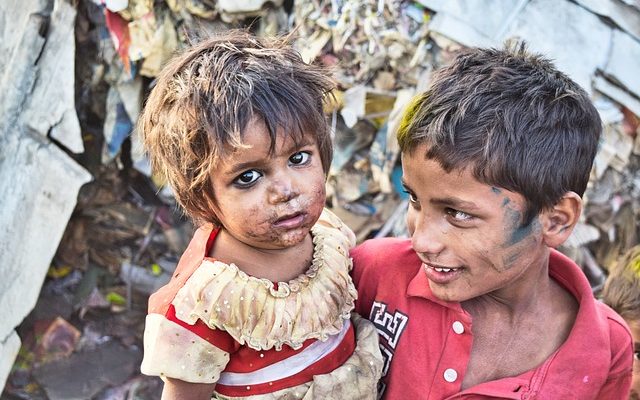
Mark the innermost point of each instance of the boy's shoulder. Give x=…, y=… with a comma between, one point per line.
x=619, y=332
x=388, y=256
x=595, y=320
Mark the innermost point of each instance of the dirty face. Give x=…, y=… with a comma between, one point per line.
x=470, y=236
x=635, y=385
x=270, y=201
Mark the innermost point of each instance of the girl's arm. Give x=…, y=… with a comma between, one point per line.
x=175, y=389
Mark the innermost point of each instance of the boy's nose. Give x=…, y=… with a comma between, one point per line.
x=426, y=238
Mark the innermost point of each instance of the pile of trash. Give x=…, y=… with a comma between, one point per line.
x=125, y=235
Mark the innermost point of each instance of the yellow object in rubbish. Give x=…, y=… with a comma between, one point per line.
x=59, y=272
x=115, y=298
x=155, y=269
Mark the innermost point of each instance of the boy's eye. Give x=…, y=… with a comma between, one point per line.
x=247, y=178
x=412, y=197
x=636, y=356
x=300, y=158
x=458, y=215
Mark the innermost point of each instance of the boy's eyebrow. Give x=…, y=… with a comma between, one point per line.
x=452, y=202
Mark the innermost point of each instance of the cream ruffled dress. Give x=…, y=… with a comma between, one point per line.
x=263, y=316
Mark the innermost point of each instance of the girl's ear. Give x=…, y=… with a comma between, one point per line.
x=558, y=221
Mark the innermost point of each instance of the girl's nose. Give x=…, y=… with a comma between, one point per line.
x=282, y=190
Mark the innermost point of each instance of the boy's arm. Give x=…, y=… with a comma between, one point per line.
x=175, y=389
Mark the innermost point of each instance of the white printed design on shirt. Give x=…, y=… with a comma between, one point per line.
x=390, y=327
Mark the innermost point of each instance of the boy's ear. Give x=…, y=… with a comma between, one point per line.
x=558, y=222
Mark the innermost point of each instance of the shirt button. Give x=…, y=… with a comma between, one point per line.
x=458, y=327
x=450, y=375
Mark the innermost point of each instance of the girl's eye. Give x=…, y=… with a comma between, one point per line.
x=300, y=158
x=458, y=215
x=247, y=178
x=636, y=356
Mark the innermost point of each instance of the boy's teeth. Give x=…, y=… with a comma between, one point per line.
x=443, y=269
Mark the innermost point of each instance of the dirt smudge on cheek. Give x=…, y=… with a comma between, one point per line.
x=254, y=224
x=514, y=229
x=518, y=244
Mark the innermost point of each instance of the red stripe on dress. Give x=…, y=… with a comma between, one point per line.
x=210, y=240
x=219, y=338
x=247, y=359
x=325, y=365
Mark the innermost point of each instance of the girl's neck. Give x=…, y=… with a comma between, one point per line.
x=280, y=265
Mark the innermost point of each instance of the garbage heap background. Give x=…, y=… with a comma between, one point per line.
x=123, y=238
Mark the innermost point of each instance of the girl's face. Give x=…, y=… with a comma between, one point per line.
x=270, y=201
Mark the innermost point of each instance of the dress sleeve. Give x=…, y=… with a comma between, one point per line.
x=618, y=382
x=191, y=353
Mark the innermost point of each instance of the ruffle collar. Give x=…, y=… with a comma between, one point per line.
x=261, y=315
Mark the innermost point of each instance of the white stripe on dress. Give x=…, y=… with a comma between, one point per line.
x=289, y=366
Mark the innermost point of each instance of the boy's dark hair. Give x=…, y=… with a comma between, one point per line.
x=205, y=97
x=513, y=119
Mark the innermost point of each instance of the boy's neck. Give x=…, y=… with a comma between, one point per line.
x=533, y=288
x=516, y=331
x=279, y=265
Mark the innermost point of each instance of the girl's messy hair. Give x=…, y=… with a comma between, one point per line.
x=205, y=97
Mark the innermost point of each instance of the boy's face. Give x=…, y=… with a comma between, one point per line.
x=469, y=235
x=270, y=201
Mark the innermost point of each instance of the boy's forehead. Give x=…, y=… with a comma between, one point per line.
x=459, y=185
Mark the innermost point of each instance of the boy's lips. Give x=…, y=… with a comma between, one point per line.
x=441, y=274
x=290, y=221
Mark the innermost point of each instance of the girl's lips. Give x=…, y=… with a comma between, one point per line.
x=441, y=275
x=290, y=221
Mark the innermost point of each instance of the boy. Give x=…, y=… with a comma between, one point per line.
x=496, y=155
x=622, y=293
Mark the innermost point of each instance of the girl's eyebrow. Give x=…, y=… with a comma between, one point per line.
x=240, y=167
x=243, y=166
x=305, y=141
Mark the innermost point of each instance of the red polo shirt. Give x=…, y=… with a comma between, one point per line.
x=426, y=342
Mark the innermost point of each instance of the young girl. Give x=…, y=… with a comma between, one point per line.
x=622, y=293
x=260, y=303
